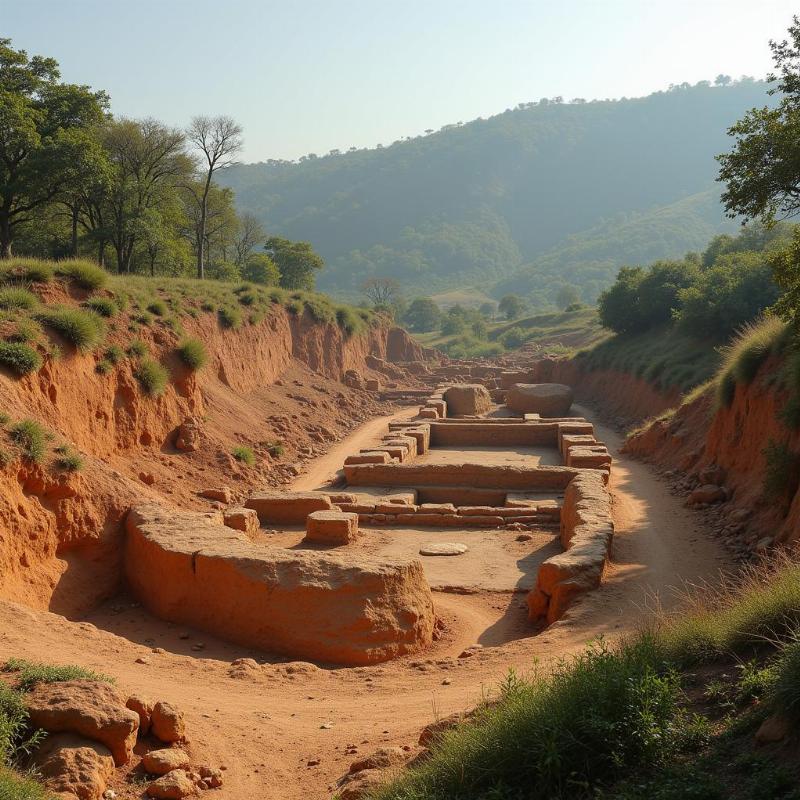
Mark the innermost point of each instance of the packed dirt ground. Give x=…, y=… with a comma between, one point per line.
x=286, y=729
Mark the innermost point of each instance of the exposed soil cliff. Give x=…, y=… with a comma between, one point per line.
x=273, y=386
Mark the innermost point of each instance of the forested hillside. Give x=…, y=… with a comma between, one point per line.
x=549, y=192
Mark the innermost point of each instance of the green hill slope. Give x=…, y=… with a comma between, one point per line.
x=471, y=204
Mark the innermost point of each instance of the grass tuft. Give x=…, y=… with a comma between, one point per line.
x=152, y=377
x=192, y=353
x=19, y=357
x=83, y=273
x=31, y=438
x=82, y=329
x=230, y=317
x=15, y=297
x=244, y=454
x=103, y=306
x=28, y=674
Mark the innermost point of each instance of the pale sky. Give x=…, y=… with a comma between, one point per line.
x=312, y=75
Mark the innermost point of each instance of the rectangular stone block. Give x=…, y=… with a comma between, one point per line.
x=331, y=527
x=368, y=457
x=290, y=508
x=242, y=519
x=428, y=413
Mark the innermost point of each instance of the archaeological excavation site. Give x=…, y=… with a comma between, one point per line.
x=288, y=572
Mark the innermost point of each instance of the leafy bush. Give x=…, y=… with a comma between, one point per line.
x=19, y=357
x=349, y=321
x=230, y=317
x=31, y=438
x=152, y=377
x=260, y=268
x=244, y=454
x=15, y=297
x=83, y=273
x=103, y=306
x=15, y=738
x=513, y=338
x=192, y=353
x=83, y=329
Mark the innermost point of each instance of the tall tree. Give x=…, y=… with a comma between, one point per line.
x=296, y=261
x=40, y=122
x=248, y=237
x=149, y=160
x=218, y=140
x=381, y=291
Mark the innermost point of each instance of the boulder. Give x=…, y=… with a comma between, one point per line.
x=382, y=758
x=144, y=708
x=373, y=385
x=221, y=493
x=468, y=399
x=547, y=399
x=773, y=729
x=160, y=762
x=189, y=433
x=167, y=723
x=709, y=493
x=172, y=786
x=332, y=527
x=94, y=709
x=72, y=765
x=352, y=379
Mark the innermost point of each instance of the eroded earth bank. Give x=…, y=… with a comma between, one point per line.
x=410, y=529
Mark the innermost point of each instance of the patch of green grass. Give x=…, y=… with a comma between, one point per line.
x=16, y=298
x=28, y=673
x=349, y=320
x=104, y=306
x=192, y=353
x=781, y=473
x=16, y=740
x=152, y=377
x=82, y=329
x=83, y=273
x=69, y=461
x=20, y=787
x=103, y=367
x=137, y=349
x=276, y=449
x=31, y=438
x=26, y=330
x=25, y=270
x=114, y=354
x=158, y=307
x=244, y=454
x=230, y=317
x=785, y=695
x=19, y=357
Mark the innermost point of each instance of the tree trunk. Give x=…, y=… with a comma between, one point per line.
x=201, y=263
x=73, y=247
x=5, y=237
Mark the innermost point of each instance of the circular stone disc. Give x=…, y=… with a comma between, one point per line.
x=443, y=549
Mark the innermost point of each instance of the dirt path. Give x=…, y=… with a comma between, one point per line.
x=266, y=724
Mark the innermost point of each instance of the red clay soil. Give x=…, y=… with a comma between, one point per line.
x=289, y=730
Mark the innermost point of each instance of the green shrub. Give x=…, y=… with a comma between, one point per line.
x=157, y=307
x=31, y=438
x=152, y=377
x=349, y=321
x=206, y=306
x=25, y=330
x=15, y=297
x=103, y=367
x=16, y=740
x=598, y=715
x=83, y=273
x=103, y=306
x=144, y=319
x=192, y=353
x=83, y=329
x=244, y=454
x=247, y=298
x=29, y=673
x=276, y=449
x=782, y=471
x=137, y=349
x=785, y=698
x=20, y=358
x=230, y=317
x=26, y=270
x=513, y=338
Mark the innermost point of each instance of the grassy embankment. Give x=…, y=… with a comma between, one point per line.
x=667, y=714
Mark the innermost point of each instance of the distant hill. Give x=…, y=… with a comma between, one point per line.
x=522, y=201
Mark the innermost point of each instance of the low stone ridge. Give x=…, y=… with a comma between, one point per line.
x=547, y=399
x=332, y=527
x=288, y=508
x=467, y=399
x=188, y=568
x=92, y=709
x=587, y=529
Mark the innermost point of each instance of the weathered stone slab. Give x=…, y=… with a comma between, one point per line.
x=470, y=399
x=332, y=527
x=547, y=399
x=290, y=508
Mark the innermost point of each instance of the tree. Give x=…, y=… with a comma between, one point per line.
x=381, y=292
x=149, y=162
x=40, y=121
x=260, y=268
x=723, y=80
x=218, y=140
x=488, y=309
x=567, y=295
x=762, y=171
x=248, y=236
x=511, y=306
x=296, y=261
x=423, y=315
x=213, y=230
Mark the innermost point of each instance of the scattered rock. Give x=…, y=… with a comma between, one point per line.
x=382, y=758
x=431, y=732
x=75, y=766
x=94, y=709
x=172, y=786
x=360, y=784
x=773, y=729
x=708, y=493
x=144, y=708
x=147, y=478
x=221, y=493
x=160, y=762
x=189, y=433
x=211, y=777
x=167, y=723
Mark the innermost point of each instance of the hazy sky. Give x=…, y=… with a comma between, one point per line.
x=311, y=75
